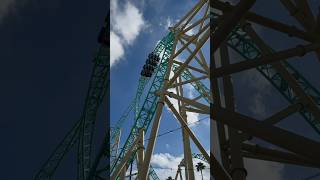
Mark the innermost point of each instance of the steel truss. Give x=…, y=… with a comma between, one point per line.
x=174, y=74
x=183, y=62
x=231, y=28
x=83, y=131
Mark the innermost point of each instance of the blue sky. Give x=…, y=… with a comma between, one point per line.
x=47, y=48
x=254, y=95
x=147, y=23
x=257, y=98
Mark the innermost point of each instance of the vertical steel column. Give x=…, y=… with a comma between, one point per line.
x=224, y=28
x=214, y=169
x=237, y=170
x=220, y=127
x=216, y=98
x=304, y=98
x=140, y=149
x=303, y=14
x=179, y=92
x=186, y=140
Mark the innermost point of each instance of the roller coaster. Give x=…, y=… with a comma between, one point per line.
x=182, y=59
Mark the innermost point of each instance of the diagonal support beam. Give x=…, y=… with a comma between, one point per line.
x=261, y=20
x=201, y=42
x=189, y=109
x=308, y=102
x=200, y=21
x=201, y=61
x=262, y=153
x=299, y=12
x=223, y=175
x=188, y=101
x=191, y=67
x=268, y=59
x=189, y=131
x=305, y=8
x=302, y=13
x=230, y=21
x=272, y=134
x=188, y=81
x=122, y=164
x=274, y=119
x=184, y=18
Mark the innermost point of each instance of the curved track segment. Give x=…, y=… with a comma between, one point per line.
x=242, y=43
x=96, y=92
x=239, y=41
x=196, y=20
x=163, y=49
x=230, y=30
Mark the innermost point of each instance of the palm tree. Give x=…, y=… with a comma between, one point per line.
x=169, y=178
x=200, y=166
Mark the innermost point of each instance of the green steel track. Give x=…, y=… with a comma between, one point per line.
x=97, y=90
x=238, y=40
x=242, y=43
x=147, y=111
x=98, y=86
x=145, y=115
x=133, y=105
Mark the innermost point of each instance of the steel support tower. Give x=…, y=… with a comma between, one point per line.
x=183, y=63
x=180, y=60
x=81, y=134
x=232, y=27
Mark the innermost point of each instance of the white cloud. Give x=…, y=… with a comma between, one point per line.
x=127, y=23
x=167, y=146
x=257, y=106
x=192, y=31
x=262, y=89
x=116, y=48
x=165, y=160
x=166, y=165
x=169, y=23
x=192, y=117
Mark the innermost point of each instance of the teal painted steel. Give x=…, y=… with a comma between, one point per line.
x=133, y=105
x=145, y=115
x=239, y=41
x=50, y=166
x=95, y=95
x=96, y=92
x=148, y=109
x=198, y=85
